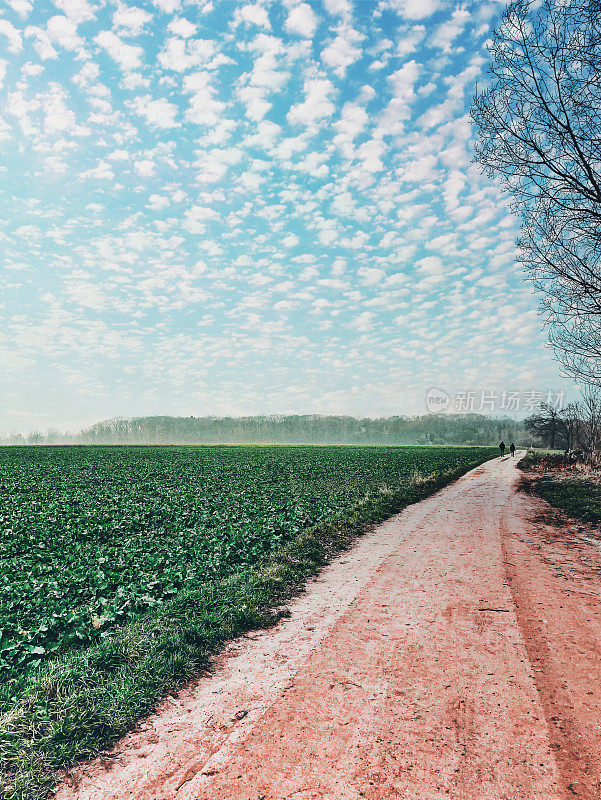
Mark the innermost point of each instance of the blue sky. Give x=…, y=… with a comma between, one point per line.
x=240, y=208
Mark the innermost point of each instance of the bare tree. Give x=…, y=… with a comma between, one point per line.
x=591, y=413
x=571, y=425
x=546, y=424
x=577, y=426
x=539, y=130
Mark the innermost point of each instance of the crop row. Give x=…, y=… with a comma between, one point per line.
x=91, y=536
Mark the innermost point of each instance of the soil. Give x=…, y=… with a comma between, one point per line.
x=454, y=652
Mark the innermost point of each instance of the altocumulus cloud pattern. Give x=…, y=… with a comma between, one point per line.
x=229, y=207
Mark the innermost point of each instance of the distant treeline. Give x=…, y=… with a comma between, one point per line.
x=441, y=429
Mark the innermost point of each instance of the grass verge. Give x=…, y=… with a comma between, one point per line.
x=72, y=708
x=578, y=497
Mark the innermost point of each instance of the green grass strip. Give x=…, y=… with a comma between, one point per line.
x=578, y=498
x=72, y=708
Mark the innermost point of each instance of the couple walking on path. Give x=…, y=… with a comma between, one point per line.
x=511, y=448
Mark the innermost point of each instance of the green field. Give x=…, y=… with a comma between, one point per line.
x=123, y=568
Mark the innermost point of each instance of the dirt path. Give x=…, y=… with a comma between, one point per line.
x=455, y=652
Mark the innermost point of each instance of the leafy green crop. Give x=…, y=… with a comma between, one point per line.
x=91, y=536
x=122, y=569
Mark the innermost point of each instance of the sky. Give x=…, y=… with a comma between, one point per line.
x=251, y=208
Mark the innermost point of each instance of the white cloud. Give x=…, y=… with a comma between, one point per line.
x=120, y=155
x=338, y=7
x=157, y=202
x=370, y=276
x=344, y=204
x=343, y=50
x=353, y=120
x=366, y=94
x=291, y=145
x=158, y=113
x=102, y=171
x=255, y=100
x=182, y=27
x=167, y=6
x=363, y=322
x=63, y=31
x=133, y=81
x=32, y=69
x=77, y=10
x=43, y=43
x=415, y=9
x=145, y=168
x=357, y=241
x=302, y=20
x=410, y=40
x=58, y=117
x=181, y=55
x=370, y=155
x=430, y=265
x=317, y=104
x=213, y=164
x=450, y=30
x=454, y=186
x=196, y=217
x=403, y=81
x=128, y=56
x=12, y=34
x=250, y=181
x=403, y=89
x=205, y=108
x=86, y=293
x=21, y=7
x=252, y=14
x=175, y=56
x=130, y=19
x=266, y=71
x=264, y=136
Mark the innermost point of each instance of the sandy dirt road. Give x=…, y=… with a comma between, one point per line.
x=454, y=652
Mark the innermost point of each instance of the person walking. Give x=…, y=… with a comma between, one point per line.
x=512, y=449
x=502, y=448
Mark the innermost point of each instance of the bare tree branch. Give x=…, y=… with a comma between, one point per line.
x=539, y=131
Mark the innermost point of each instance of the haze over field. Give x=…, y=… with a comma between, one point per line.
x=246, y=208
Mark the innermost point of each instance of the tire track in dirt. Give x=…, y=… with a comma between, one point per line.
x=403, y=672
x=555, y=575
